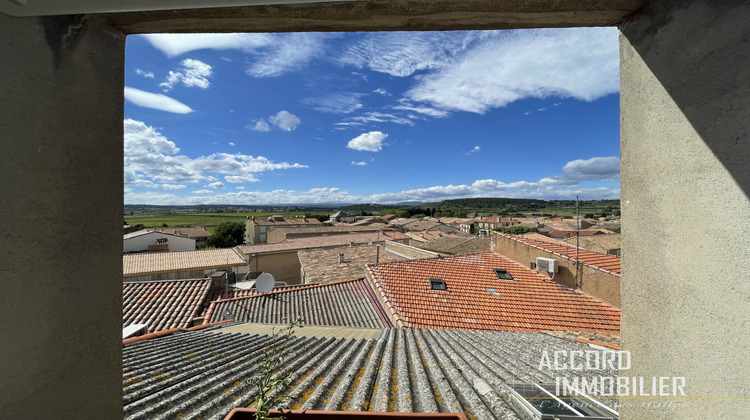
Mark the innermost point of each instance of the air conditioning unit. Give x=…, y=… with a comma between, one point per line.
x=546, y=264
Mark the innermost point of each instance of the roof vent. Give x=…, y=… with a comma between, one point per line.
x=437, y=284
x=503, y=274
x=546, y=264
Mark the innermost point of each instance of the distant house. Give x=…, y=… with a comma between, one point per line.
x=325, y=265
x=341, y=216
x=182, y=265
x=200, y=234
x=155, y=241
x=257, y=230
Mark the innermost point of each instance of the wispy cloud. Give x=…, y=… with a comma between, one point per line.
x=173, y=45
x=287, y=52
x=155, y=101
x=362, y=163
x=144, y=73
x=368, y=142
x=191, y=73
x=525, y=64
x=336, y=103
x=474, y=150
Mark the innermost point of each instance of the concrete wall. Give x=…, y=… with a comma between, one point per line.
x=142, y=242
x=408, y=251
x=61, y=142
x=594, y=282
x=284, y=266
x=685, y=132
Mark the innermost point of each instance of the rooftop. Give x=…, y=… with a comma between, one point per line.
x=280, y=221
x=189, y=232
x=323, y=266
x=164, y=262
x=456, y=245
x=350, y=303
x=322, y=242
x=599, y=261
x=475, y=298
x=163, y=305
x=202, y=374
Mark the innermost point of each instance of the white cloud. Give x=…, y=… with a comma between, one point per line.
x=240, y=188
x=259, y=125
x=216, y=185
x=173, y=186
x=173, y=45
x=144, y=73
x=359, y=163
x=203, y=192
x=580, y=63
x=155, y=101
x=368, y=142
x=192, y=73
x=231, y=143
x=375, y=117
x=430, y=112
x=234, y=179
x=381, y=91
x=474, y=150
x=596, y=168
x=151, y=158
x=285, y=120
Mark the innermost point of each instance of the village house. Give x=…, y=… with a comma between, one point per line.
x=257, y=230
x=156, y=241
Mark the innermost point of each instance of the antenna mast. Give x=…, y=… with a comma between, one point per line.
x=578, y=234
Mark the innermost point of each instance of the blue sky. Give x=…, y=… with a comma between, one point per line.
x=258, y=119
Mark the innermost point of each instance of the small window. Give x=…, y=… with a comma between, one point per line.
x=503, y=274
x=437, y=284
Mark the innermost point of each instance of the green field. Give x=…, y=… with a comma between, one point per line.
x=207, y=220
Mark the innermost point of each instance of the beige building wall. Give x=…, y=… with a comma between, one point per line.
x=590, y=280
x=284, y=266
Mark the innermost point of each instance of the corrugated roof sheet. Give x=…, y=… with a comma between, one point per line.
x=162, y=262
x=350, y=303
x=530, y=302
x=202, y=374
x=163, y=304
x=603, y=262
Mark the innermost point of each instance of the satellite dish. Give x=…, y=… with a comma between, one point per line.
x=264, y=283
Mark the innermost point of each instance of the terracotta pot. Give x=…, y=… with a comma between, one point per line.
x=249, y=414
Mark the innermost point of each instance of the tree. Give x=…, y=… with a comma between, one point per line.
x=227, y=234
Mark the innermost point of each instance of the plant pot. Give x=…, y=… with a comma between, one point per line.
x=249, y=414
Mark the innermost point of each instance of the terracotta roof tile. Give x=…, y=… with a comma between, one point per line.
x=163, y=304
x=161, y=262
x=530, y=302
x=323, y=266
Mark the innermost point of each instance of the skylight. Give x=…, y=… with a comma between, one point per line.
x=544, y=402
x=437, y=284
x=503, y=274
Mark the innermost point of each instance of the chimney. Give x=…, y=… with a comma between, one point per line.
x=253, y=219
x=341, y=258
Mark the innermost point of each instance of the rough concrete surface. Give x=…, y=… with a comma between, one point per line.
x=61, y=148
x=685, y=207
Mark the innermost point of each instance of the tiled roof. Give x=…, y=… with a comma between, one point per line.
x=146, y=232
x=189, y=232
x=323, y=266
x=421, y=225
x=530, y=302
x=572, y=233
x=540, y=237
x=322, y=242
x=163, y=304
x=598, y=243
x=321, y=230
x=350, y=303
x=599, y=261
x=456, y=245
x=162, y=262
x=225, y=294
x=202, y=374
x=297, y=221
